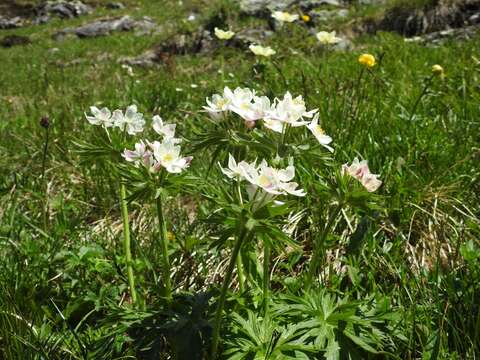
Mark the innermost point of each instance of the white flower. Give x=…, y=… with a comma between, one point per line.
x=285, y=16
x=167, y=155
x=141, y=155
x=328, y=38
x=100, y=117
x=254, y=110
x=262, y=51
x=274, y=125
x=223, y=35
x=217, y=105
x=240, y=170
x=290, y=111
x=166, y=130
x=360, y=171
x=319, y=133
x=132, y=121
x=265, y=181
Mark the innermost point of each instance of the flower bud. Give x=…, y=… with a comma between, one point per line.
x=438, y=70
x=45, y=122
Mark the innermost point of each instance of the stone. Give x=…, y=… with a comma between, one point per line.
x=115, y=6
x=327, y=15
x=63, y=9
x=11, y=23
x=200, y=41
x=264, y=7
x=14, y=40
x=248, y=36
x=106, y=26
x=255, y=7
x=438, y=37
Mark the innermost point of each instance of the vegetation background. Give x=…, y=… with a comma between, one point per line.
x=398, y=280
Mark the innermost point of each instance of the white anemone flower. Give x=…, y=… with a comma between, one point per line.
x=166, y=130
x=238, y=171
x=265, y=182
x=167, y=155
x=328, y=38
x=274, y=125
x=290, y=111
x=101, y=117
x=319, y=133
x=254, y=110
x=217, y=105
x=140, y=156
x=132, y=121
x=283, y=16
x=223, y=35
x=360, y=171
x=259, y=50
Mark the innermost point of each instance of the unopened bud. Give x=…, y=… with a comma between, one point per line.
x=45, y=122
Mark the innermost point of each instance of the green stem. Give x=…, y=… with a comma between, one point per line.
x=223, y=294
x=163, y=237
x=318, y=250
x=422, y=94
x=266, y=275
x=241, y=275
x=126, y=242
x=44, y=183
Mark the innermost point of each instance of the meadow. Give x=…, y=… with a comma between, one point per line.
x=245, y=231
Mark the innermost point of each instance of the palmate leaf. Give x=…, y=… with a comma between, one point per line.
x=337, y=325
x=264, y=338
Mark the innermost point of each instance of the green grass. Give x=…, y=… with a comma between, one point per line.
x=403, y=272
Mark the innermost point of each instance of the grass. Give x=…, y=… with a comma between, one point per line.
x=398, y=279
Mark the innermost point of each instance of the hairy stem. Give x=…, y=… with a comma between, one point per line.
x=266, y=275
x=319, y=246
x=163, y=237
x=126, y=243
x=226, y=283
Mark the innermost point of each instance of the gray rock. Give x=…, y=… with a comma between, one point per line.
x=327, y=15
x=63, y=9
x=255, y=7
x=439, y=37
x=180, y=44
x=248, y=36
x=10, y=23
x=115, y=6
x=310, y=4
x=107, y=26
x=259, y=7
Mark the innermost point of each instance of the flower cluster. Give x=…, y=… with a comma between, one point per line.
x=360, y=171
x=157, y=155
x=276, y=115
x=265, y=182
x=132, y=121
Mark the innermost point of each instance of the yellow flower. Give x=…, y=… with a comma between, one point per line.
x=367, y=59
x=223, y=35
x=438, y=70
x=306, y=18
